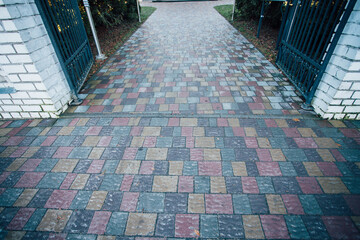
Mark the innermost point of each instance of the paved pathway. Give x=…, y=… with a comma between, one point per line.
x=186, y=132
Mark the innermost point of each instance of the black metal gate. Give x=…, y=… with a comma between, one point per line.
x=63, y=21
x=311, y=31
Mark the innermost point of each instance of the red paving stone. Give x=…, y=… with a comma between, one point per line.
x=274, y=227
x=186, y=224
x=218, y=204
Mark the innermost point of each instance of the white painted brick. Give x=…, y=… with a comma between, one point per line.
x=355, y=86
x=4, y=60
x=47, y=101
x=35, y=115
x=327, y=116
x=30, y=77
x=17, y=101
x=30, y=68
x=355, y=53
x=20, y=58
x=25, y=35
x=14, y=69
x=345, y=86
x=348, y=102
x=40, y=86
x=24, y=86
x=357, y=102
x=6, y=37
x=7, y=101
x=352, y=29
x=19, y=95
x=15, y=115
x=11, y=108
x=31, y=108
x=37, y=32
x=25, y=115
x=48, y=108
x=44, y=115
x=6, y=49
x=20, y=48
x=25, y=23
x=35, y=44
x=33, y=102
x=341, y=62
x=25, y=10
x=350, y=40
x=352, y=76
x=354, y=66
x=4, y=13
x=336, y=102
x=5, y=96
x=343, y=94
x=358, y=117
x=6, y=115
x=335, y=109
x=352, y=109
x=53, y=115
x=13, y=78
x=9, y=25
x=356, y=95
x=40, y=95
x=339, y=116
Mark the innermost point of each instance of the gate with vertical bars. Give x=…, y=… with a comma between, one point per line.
x=312, y=29
x=63, y=22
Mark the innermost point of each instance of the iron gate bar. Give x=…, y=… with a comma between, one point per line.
x=306, y=48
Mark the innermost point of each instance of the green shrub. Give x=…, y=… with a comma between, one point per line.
x=109, y=13
x=251, y=9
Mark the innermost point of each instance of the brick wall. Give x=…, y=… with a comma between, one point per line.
x=338, y=94
x=32, y=83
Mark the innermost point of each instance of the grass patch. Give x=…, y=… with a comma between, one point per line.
x=112, y=38
x=248, y=28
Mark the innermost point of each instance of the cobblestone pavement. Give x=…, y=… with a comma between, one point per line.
x=188, y=132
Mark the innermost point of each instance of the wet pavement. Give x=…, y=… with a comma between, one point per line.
x=187, y=132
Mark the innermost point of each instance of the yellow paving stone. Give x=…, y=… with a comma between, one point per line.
x=90, y=96
x=142, y=101
x=234, y=122
x=180, y=100
x=3, y=139
x=326, y=155
x=45, y=131
x=15, y=235
x=267, y=105
x=277, y=155
x=226, y=99
x=307, y=132
x=258, y=112
x=188, y=122
x=212, y=154
x=263, y=142
x=164, y=107
x=80, y=181
x=358, y=164
x=156, y=154
x=294, y=112
x=96, y=200
x=142, y=224
x=151, y=131
x=137, y=142
x=128, y=167
x=54, y=220
x=326, y=143
x=198, y=132
x=176, y=167
x=204, y=142
x=332, y=185
x=134, y=121
x=111, y=90
x=30, y=152
x=34, y=122
x=312, y=169
x=16, y=164
x=25, y=197
x=217, y=185
x=96, y=102
x=337, y=123
x=250, y=132
x=170, y=94
x=118, y=108
x=239, y=169
x=96, y=153
x=204, y=107
x=281, y=123
x=103, y=237
x=91, y=141
x=8, y=151
x=82, y=122
x=165, y=184
x=196, y=203
x=65, y=131
x=252, y=227
x=65, y=165
x=4, y=131
x=275, y=203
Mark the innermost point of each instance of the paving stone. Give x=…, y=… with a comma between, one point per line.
x=186, y=225
x=310, y=204
x=54, y=220
x=99, y=222
x=128, y=167
x=333, y=205
x=81, y=200
x=151, y=202
x=241, y=204
x=296, y=227
x=286, y=185
x=79, y=221
x=274, y=226
x=218, y=203
x=252, y=227
x=340, y=227
x=165, y=184
x=117, y=223
x=332, y=185
x=60, y=199
x=142, y=183
x=209, y=226
x=230, y=226
x=175, y=203
x=96, y=200
x=112, y=201
x=140, y=224
x=315, y=227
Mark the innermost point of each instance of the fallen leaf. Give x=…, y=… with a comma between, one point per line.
x=296, y=120
x=197, y=233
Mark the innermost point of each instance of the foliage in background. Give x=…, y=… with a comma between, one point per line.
x=109, y=13
x=251, y=9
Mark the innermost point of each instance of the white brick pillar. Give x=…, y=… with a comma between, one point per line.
x=32, y=82
x=338, y=94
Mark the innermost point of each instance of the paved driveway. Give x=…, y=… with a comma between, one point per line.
x=187, y=132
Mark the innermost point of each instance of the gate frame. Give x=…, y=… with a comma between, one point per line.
x=287, y=26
